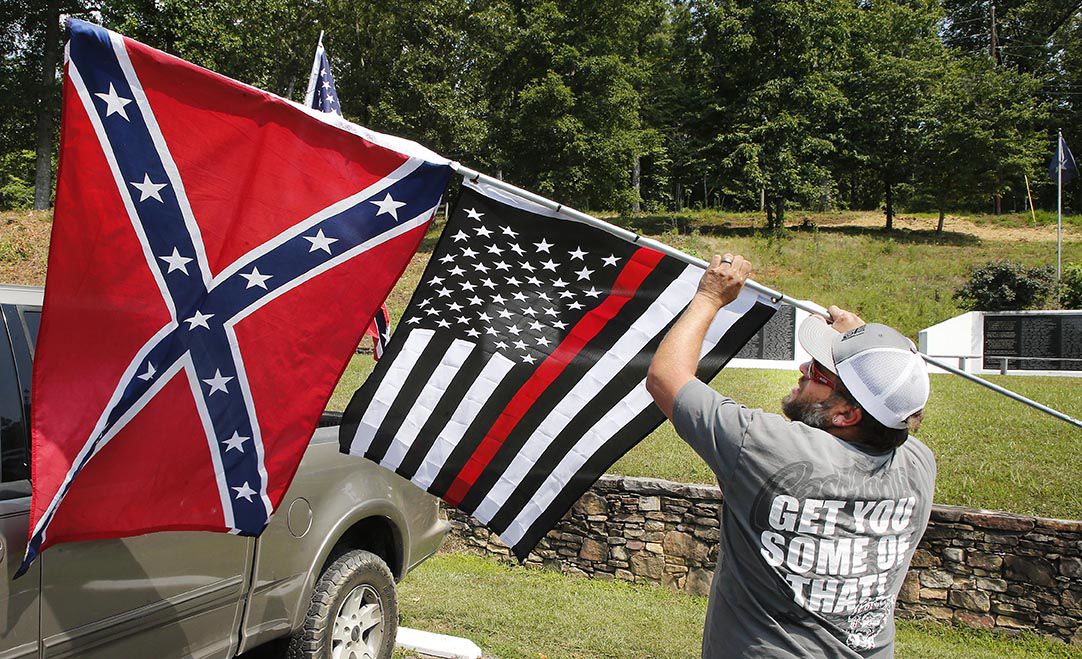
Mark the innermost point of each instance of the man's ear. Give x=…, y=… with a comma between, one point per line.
x=846, y=415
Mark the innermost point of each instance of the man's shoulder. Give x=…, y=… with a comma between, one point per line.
x=919, y=452
x=756, y=426
x=918, y=448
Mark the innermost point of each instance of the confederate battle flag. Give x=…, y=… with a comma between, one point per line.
x=204, y=234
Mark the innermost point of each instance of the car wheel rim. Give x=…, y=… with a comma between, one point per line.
x=358, y=625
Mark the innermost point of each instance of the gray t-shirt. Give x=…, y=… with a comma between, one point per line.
x=816, y=536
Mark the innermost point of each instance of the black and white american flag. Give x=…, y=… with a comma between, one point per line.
x=517, y=374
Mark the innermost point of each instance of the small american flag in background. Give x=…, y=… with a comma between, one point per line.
x=321, y=92
x=517, y=376
x=323, y=96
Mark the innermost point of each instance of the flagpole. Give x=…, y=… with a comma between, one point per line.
x=1059, y=204
x=806, y=305
x=314, y=75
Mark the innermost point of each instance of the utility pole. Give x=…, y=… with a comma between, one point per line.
x=993, y=46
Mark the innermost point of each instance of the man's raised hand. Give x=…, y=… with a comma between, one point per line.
x=723, y=279
x=842, y=320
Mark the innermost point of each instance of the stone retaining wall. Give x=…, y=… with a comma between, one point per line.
x=979, y=568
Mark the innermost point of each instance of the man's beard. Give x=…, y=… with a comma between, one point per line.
x=814, y=414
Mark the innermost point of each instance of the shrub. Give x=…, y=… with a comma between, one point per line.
x=1070, y=287
x=1007, y=286
x=17, y=180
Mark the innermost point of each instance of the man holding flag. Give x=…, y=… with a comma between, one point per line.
x=822, y=513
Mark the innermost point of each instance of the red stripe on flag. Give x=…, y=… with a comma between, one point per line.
x=641, y=264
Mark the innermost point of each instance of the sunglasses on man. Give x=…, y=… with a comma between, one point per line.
x=816, y=374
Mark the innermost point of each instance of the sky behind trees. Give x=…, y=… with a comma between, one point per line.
x=625, y=104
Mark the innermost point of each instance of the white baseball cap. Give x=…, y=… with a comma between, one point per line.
x=879, y=367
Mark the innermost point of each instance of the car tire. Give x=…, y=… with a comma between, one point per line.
x=353, y=614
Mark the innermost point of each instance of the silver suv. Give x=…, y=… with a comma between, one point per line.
x=322, y=575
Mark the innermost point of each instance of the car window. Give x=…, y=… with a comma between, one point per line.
x=13, y=453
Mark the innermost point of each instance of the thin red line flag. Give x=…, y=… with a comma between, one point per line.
x=517, y=374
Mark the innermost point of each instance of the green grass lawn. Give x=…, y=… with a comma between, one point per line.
x=512, y=611
x=992, y=452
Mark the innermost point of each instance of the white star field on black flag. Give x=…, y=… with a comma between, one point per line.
x=515, y=293
x=517, y=375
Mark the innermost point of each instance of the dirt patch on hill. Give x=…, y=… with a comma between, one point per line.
x=983, y=231
x=24, y=246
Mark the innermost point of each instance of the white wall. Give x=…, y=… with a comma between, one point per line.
x=958, y=341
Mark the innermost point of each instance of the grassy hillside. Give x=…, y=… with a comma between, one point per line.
x=904, y=278
x=992, y=452
x=24, y=246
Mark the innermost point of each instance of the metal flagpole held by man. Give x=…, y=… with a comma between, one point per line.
x=776, y=296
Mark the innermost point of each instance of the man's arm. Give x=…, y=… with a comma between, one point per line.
x=677, y=358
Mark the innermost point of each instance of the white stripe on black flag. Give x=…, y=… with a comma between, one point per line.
x=517, y=374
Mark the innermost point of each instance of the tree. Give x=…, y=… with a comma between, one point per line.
x=1042, y=38
x=775, y=95
x=43, y=167
x=265, y=43
x=1063, y=88
x=897, y=59
x=982, y=127
x=952, y=143
x=1024, y=29
x=18, y=63
x=670, y=96
x=29, y=87
x=565, y=97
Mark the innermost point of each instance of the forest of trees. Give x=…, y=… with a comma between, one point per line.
x=633, y=104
